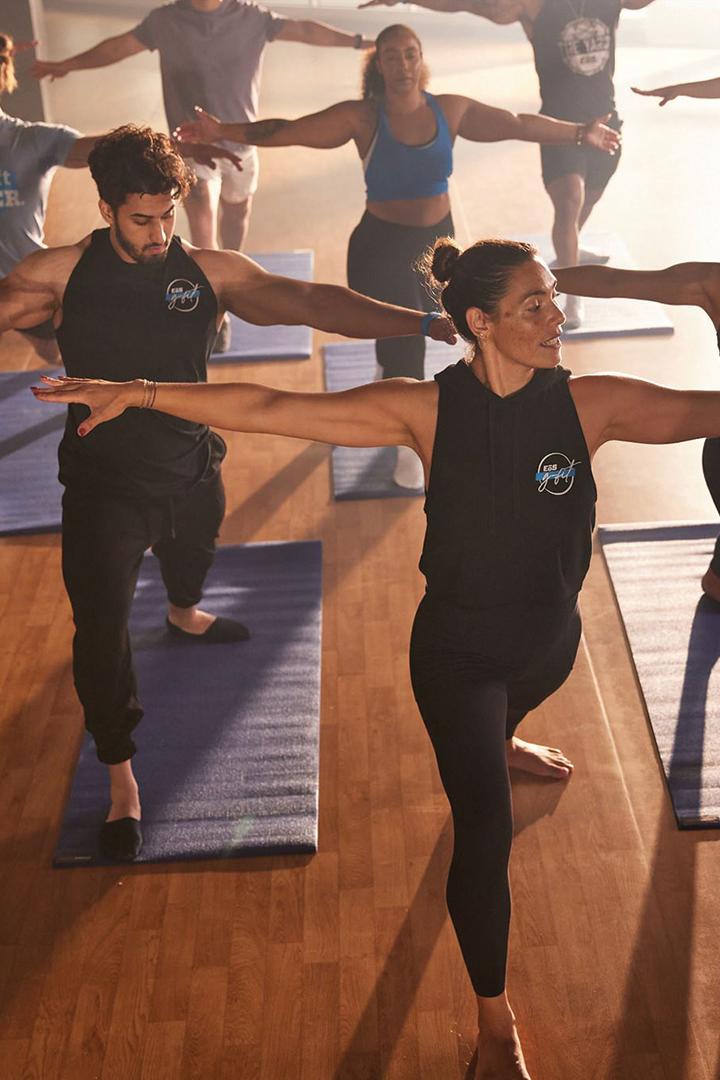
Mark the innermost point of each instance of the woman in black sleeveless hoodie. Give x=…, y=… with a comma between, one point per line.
x=506, y=438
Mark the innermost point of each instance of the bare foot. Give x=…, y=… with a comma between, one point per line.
x=500, y=1059
x=191, y=620
x=124, y=793
x=711, y=585
x=540, y=760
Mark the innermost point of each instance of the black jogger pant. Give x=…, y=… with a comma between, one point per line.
x=103, y=541
x=381, y=264
x=471, y=704
x=711, y=472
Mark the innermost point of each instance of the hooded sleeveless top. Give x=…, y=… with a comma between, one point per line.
x=511, y=499
x=126, y=321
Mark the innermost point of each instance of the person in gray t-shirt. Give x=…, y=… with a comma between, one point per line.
x=210, y=55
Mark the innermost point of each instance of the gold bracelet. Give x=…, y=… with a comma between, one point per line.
x=148, y=396
x=153, y=392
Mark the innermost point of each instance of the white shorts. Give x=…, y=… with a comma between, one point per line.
x=233, y=185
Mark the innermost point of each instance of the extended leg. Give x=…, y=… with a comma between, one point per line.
x=103, y=544
x=234, y=223
x=201, y=207
x=711, y=471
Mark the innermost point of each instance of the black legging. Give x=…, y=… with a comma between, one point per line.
x=471, y=702
x=711, y=471
x=381, y=264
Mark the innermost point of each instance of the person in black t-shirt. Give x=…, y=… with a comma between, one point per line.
x=573, y=44
x=506, y=439
x=130, y=301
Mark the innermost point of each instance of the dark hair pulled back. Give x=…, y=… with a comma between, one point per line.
x=476, y=277
x=373, y=84
x=135, y=160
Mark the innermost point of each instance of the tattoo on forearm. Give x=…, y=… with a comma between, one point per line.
x=264, y=129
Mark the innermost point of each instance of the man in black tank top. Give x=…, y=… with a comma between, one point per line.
x=573, y=43
x=129, y=302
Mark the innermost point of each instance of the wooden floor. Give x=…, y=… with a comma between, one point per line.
x=344, y=966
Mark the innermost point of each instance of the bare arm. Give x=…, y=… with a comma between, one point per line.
x=309, y=32
x=30, y=294
x=323, y=130
x=78, y=156
x=501, y=12
x=635, y=5
x=694, y=283
x=265, y=299
x=705, y=88
x=379, y=414
x=109, y=51
x=484, y=123
x=637, y=410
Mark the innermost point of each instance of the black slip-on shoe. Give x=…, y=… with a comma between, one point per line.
x=121, y=840
x=222, y=632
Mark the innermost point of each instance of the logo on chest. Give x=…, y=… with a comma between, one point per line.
x=556, y=473
x=182, y=295
x=585, y=45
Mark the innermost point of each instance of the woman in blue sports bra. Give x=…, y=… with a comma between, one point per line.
x=404, y=137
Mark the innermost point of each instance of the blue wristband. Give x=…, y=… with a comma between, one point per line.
x=427, y=319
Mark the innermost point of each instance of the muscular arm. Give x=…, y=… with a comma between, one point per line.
x=379, y=414
x=484, y=123
x=109, y=51
x=323, y=130
x=309, y=32
x=637, y=410
x=695, y=283
x=266, y=299
x=31, y=293
x=501, y=12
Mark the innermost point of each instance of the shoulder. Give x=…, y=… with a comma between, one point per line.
x=49, y=268
x=221, y=267
x=710, y=286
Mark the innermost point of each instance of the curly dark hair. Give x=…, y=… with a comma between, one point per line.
x=475, y=277
x=8, y=82
x=134, y=159
x=373, y=84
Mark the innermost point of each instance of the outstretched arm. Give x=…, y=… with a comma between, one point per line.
x=309, y=32
x=109, y=51
x=29, y=295
x=501, y=12
x=635, y=5
x=484, y=123
x=696, y=283
x=637, y=410
x=374, y=415
x=323, y=130
x=265, y=299
x=705, y=88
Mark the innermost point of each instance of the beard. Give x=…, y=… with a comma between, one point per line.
x=139, y=255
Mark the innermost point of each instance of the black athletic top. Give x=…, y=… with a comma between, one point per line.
x=574, y=46
x=511, y=500
x=126, y=321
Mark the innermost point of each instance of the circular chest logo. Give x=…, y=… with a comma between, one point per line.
x=182, y=295
x=556, y=474
x=585, y=45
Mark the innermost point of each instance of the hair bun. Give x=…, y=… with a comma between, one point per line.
x=444, y=259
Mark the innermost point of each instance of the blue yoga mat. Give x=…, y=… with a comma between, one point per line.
x=251, y=342
x=366, y=472
x=674, y=636
x=610, y=317
x=228, y=749
x=29, y=436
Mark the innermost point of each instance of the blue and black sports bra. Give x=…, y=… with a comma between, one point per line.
x=396, y=170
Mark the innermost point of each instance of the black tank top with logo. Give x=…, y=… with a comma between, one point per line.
x=126, y=321
x=511, y=500
x=574, y=46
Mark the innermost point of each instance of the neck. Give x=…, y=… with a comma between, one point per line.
x=206, y=5
x=406, y=102
x=500, y=374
